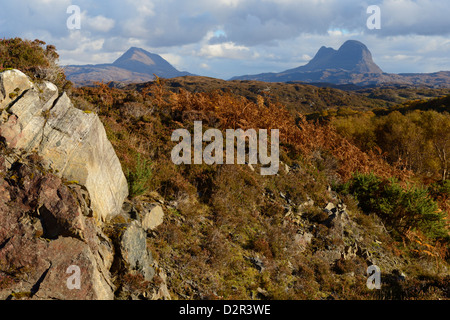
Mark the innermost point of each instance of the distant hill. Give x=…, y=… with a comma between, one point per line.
x=297, y=97
x=134, y=66
x=301, y=97
x=351, y=64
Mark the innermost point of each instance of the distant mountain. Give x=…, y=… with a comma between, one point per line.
x=351, y=64
x=352, y=56
x=135, y=65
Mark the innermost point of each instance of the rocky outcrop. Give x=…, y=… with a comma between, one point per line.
x=52, y=247
x=73, y=143
x=43, y=232
x=62, y=190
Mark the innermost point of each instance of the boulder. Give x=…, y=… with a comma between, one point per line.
x=12, y=84
x=73, y=143
x=162, y=292
x=152, y=216
x=133, y=250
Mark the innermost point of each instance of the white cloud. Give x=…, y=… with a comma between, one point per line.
x=224, y=50
x=422, y=17
x=173, y=59
x=402, y=57
x=97, y=23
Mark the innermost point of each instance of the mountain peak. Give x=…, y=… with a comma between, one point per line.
x=353, y=56
x=354, y=44
x=140, y=60
x=321, y=58
x=136, y=49
x=138, y=55
x=349, y=64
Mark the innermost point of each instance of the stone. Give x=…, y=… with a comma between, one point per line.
x=73, y=143
x=307, y=204
x=303, y=240
x=93, y=285
x=152, y=216
x=330, y=207
x=12, y=84
x=350, y=252
x=257, y=263
x=262, y=292
x=133, y=249
x=328, y=256
x=162, y=292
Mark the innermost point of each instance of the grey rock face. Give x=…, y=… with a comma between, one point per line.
x=133, y=248
x=73, y=143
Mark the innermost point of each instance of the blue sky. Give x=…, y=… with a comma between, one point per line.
x=225, y=38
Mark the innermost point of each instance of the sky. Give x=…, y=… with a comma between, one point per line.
x=226, y=38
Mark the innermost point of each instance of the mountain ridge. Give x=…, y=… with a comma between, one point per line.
x=351, y=64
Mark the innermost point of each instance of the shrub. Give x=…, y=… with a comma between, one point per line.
x=138, y=178
x=441, y=188
x=401, y=208
x=33, y=58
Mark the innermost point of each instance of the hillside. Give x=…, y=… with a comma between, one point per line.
x=297, y=97
x=237, y=234
x=300, y=97
x=335, y=207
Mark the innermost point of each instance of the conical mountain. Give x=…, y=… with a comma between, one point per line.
x=142, y=61
x=135, y=65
